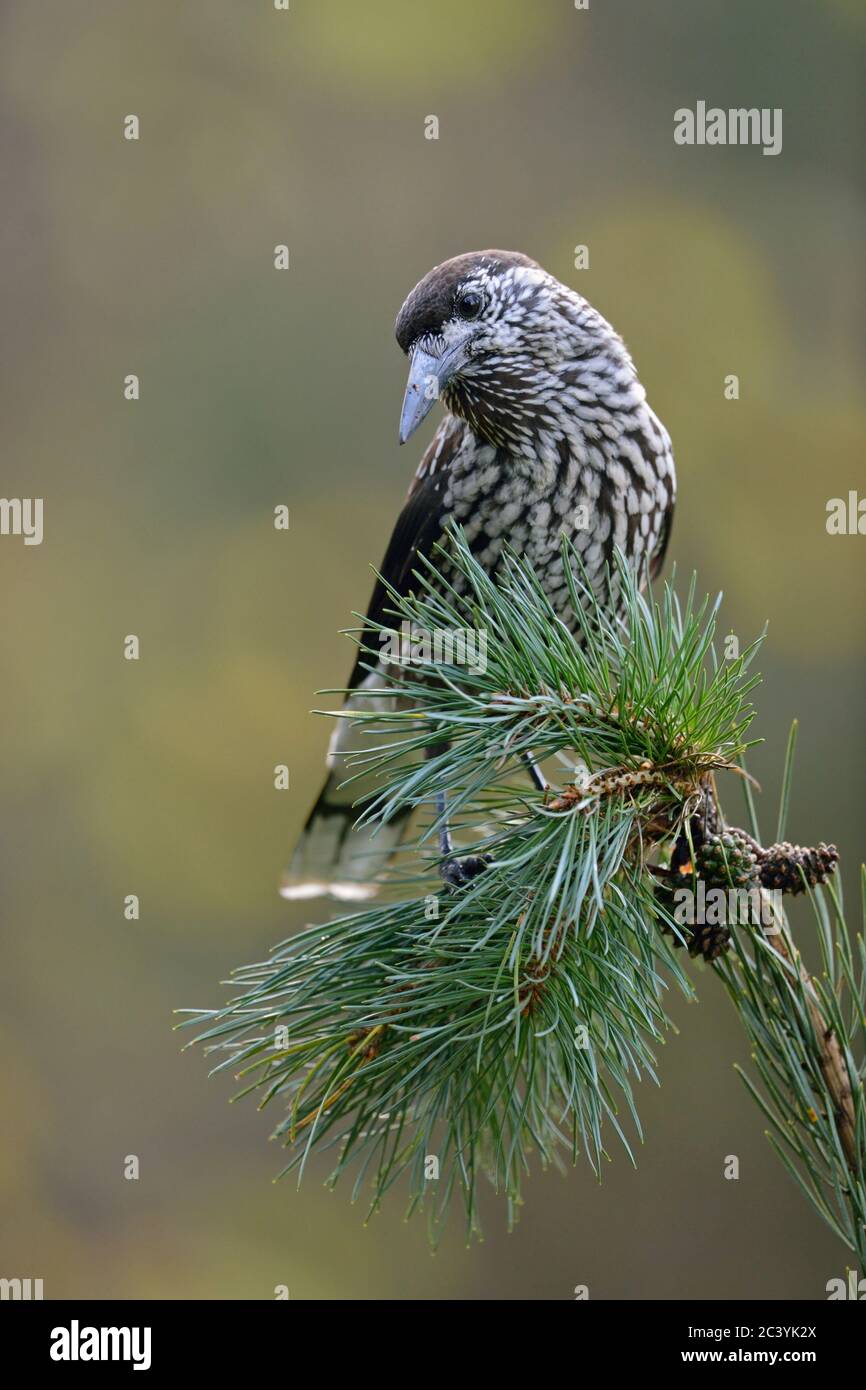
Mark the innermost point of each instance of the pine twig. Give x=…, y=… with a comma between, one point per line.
x=449, y=1035
x=833, y=1066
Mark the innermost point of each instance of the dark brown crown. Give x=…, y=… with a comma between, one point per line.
x=431, y=303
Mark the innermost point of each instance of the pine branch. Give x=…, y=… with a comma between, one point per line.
x=451, y=1034
x=808, y=1036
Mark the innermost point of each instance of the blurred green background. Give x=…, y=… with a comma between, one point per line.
x=259, y=388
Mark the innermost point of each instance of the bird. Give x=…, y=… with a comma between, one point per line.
x=546, y=433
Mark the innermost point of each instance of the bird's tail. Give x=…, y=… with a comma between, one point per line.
x=331, y=857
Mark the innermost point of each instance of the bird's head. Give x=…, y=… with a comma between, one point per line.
x=501, y=341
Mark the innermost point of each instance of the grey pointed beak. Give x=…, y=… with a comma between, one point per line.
x=428, y=377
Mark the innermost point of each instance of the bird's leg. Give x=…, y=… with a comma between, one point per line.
x=446, y=844
x=534, y=770
x=455, y=872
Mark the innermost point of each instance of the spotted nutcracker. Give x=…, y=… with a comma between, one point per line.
x=547, y=432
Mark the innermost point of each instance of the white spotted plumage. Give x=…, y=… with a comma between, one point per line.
x=548, y=417
x=547, y=426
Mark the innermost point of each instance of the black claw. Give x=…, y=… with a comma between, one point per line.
x=458, y=872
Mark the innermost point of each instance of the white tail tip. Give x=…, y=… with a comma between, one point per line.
x=344, y=892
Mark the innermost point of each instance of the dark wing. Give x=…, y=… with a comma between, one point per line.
x=658, y=556
x=419, y=526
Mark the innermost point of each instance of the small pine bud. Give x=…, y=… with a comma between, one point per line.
x=728, y=860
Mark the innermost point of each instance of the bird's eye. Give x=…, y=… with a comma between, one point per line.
x=469, y=304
